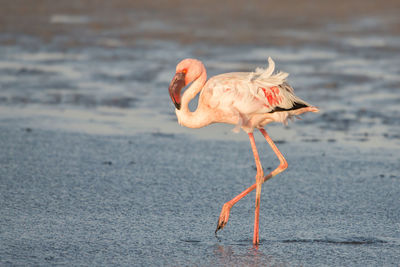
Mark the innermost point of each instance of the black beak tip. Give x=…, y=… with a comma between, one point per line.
x=178, y=82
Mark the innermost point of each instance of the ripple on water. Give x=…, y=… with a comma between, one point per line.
x=339, y=241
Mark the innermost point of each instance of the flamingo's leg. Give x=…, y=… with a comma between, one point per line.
x=259, y=182
x=283, y=164
x=224, y=216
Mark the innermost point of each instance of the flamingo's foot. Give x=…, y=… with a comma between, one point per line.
x=223, y=217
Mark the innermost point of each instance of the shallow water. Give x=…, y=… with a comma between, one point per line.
x=95, y=169
x=123, y=90
x=90, y=199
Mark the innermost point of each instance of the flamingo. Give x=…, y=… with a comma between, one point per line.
x=248, y=100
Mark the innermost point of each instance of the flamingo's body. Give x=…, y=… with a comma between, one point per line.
x=248, y=100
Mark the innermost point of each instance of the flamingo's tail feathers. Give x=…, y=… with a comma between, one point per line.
x=313, y=109
x=267, y=76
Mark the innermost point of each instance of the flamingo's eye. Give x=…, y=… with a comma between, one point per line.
x=184, y=71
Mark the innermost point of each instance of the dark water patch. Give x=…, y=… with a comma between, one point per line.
x=366, y=112
x=343, y=79
x=60, y=84
x=19, y=99
x=76, y=99
x=336, y=120
x=162, y=135
x=361, y=139
x=391, y=176
x=145, y=75
x=81, y=99
x=89, y=100
x=106, y=77
x=53, y=99
x=311, y=140
x=192, y=241
x=391, y=135
x=245, y=242
x=24, y=71
x=339, y=241
x=39, y=85
x=121, y=102
x=49, y=258
x=27, y=71
x=140, y=75
x=391, y=118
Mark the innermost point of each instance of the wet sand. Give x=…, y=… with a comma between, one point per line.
x=80, y=199
x=95, y=170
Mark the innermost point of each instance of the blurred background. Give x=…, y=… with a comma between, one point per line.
x=104, y=66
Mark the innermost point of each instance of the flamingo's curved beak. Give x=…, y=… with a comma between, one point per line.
x=177, y=83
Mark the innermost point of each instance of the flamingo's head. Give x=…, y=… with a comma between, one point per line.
x=186, y=72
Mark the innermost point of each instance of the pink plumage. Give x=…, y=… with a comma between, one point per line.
x=248, y=100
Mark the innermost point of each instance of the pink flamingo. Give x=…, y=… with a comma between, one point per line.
x=248, y=100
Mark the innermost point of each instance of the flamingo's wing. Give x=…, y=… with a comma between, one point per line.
x=252, y=92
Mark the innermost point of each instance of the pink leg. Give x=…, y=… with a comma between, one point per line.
x=259, y=182
x=224, y=216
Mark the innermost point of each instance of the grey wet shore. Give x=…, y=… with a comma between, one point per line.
x=71, y=198
x=95, y=170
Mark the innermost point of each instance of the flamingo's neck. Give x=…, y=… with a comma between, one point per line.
x=200, y=117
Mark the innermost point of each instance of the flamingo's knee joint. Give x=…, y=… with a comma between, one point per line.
x=283, y=166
